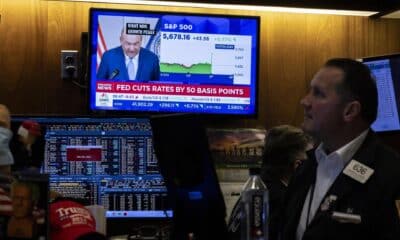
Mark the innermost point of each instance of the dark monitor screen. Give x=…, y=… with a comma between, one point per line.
x=386, y=71
x=105, y=161
x=173, y=62
x=181, y=145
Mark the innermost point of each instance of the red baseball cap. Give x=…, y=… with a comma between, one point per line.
x=70, y=220
x=31, y=127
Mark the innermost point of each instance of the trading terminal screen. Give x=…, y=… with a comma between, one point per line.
x=386, y=71
x=105, y=161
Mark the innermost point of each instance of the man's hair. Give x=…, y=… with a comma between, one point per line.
x=358, y=84
x=282, y=146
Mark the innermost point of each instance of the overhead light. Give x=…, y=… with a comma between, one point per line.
x=235, y=6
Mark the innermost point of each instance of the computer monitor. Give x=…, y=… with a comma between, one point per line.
x=386, y=71
x=181, y=145
x=104, y=161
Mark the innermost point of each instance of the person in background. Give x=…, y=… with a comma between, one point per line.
x=28, y=147
x=6, y=161
x=22, y=223
x=130, y=61
x=6, y=157
x=285, y=149
x=350, y=184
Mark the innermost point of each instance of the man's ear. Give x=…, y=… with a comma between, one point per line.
x=351, y=111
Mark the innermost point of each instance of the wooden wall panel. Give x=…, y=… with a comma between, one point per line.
x=282, y=64
x=357, y=39
x=22, y=51
x=382, y=37
x=65, y=23
x=293, y=47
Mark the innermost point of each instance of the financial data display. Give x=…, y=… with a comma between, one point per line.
x=106, y=161
x=386, y=71
x=180, y=62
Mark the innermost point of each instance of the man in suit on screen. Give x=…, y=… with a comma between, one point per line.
x=130, y=61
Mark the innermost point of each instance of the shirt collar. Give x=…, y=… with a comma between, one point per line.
x=346, y=152
x=134, y=59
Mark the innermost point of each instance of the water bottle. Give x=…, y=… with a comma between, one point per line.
x=254, y=208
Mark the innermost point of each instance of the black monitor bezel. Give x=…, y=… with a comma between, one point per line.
x=377, y=58
x=152, y=113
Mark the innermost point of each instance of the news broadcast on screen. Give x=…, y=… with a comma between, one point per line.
x=182, y=63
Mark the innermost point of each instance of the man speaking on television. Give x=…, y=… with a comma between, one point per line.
x=130, y=61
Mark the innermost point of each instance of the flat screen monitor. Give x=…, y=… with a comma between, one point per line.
x=104, y=161
x=172, y=62
x=386, y=71
x=181, y=145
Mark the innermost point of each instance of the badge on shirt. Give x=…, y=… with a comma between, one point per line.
x=358, y=171
x=328, y=202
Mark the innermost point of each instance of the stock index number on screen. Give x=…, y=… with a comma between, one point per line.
x=176, y=36
x=183, y=36
x=175, y=26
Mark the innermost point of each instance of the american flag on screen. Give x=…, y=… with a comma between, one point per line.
x=101, y=46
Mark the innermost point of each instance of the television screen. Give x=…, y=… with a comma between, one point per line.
x=104, y=161
x=386, y=71
x=173, y=62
